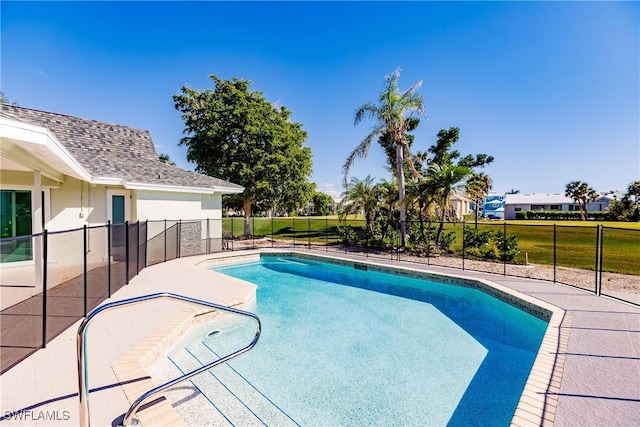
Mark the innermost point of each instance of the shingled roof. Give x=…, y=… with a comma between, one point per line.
x=109, y=151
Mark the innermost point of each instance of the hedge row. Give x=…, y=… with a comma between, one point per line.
x=562, y=215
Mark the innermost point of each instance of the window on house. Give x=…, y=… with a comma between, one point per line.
x=554, y=207
x=16, y=221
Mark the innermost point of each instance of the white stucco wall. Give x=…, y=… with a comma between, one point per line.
x=75, y=204
x=160, y=205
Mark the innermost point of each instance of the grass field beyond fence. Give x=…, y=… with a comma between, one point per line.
x=575, y=241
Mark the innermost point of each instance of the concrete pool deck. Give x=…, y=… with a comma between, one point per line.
x=601, y=373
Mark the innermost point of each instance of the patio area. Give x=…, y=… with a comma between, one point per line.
x=601, y=372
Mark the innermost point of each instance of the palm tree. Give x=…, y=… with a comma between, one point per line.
x=388, y=194
x=477, y=188
x=582, y=194
x=361, y=196
x=513, y=191
x=420, y=198
x=394, y=117
x=442, y=182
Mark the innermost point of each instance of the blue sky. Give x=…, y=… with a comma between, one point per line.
x=550, y=89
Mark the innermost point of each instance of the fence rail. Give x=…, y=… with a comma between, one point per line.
x=80, y=268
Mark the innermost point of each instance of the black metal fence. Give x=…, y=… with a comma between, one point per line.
x=600, y=259
x=80, y=268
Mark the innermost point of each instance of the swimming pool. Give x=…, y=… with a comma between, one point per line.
x=383, y=350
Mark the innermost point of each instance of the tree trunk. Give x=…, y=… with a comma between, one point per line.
x=401, y=190
x=421, y=218
x=247, y=217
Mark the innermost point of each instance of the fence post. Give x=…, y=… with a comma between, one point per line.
x=293, y=219
x=45, y=237
x=146, y=242
x=400, y=241
x=137, y=247
x=109, y=258
x=428, y=242
x=84, y=267
x=599, y=288
x=165, y=240
x=308, y=233
x=179, y=238
x=326, y=234
x=126, y=250
x=554, y=251
x=463, y=243
x=504, y=247
x=232, y=235
x=393, y=241
x=595, y=289
x=207, y=245
x=271, y=231
x=368, y=243
x=344, y=244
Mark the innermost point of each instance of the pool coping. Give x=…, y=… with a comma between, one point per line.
x=539, y=399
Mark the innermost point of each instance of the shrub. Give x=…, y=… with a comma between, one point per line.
x=521, y=214
x=491, y=252
x=564, y=215
x=507, y=246
x=349, y=235
x=447, y=239
x=474, y=238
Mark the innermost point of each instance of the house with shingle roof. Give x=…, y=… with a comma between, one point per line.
x=63, y=172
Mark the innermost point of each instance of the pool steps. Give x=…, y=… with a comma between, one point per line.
x=131, y=369
x=235, y=400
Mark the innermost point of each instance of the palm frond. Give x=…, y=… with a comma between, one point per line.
x=359, y=152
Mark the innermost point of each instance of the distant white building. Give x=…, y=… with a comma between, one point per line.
x=460, y=205
x=548, y=202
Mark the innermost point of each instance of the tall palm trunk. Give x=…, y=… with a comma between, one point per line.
x=401, y=191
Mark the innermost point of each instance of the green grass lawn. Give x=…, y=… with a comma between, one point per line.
x=575, y=241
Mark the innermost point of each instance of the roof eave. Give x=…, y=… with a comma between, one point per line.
x=130, y=185
x=28, y=133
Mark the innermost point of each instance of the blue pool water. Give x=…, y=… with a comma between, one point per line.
x=342, y=346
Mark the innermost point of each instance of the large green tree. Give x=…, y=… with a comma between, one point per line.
x=234, y=133
x=322, y=203
x=629, y=206
x=394, y=117
x=582, y=194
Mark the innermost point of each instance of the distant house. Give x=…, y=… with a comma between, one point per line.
x=60, y=172
x=493, y=207
x=548, y=202
x=460, y=205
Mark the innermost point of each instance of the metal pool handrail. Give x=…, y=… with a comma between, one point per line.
x=81, y=343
